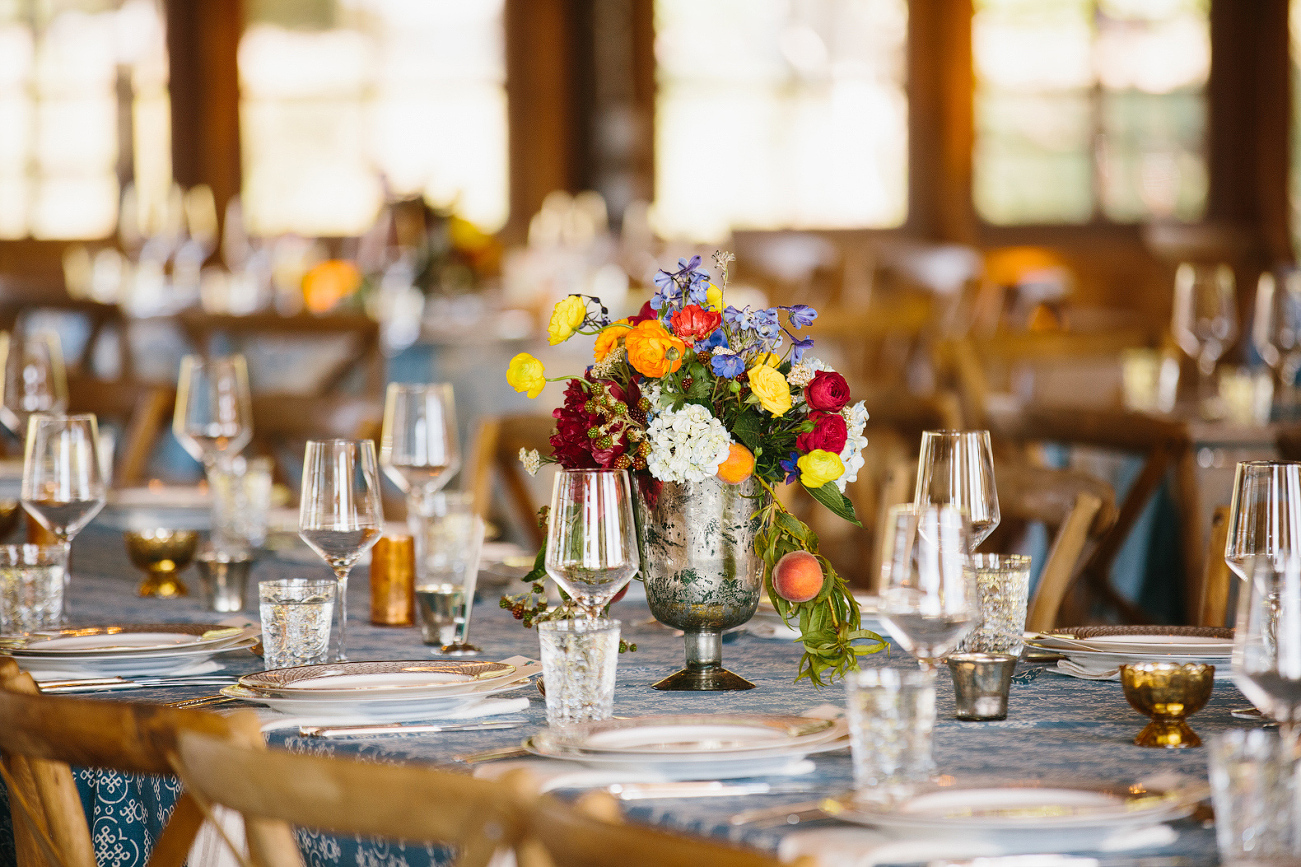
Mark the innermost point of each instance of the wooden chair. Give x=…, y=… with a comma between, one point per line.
x=42, y=737
x=283, y=423
x=140, y=411
x=1217, y=578
x=342, y=795
x=357, y=337
x=1164, y=444
x=496, y=451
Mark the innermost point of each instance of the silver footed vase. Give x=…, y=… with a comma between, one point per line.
x=700, y=568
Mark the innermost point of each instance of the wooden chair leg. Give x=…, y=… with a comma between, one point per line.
x=1213, y=601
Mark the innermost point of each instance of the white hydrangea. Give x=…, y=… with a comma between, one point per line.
x=687, y=445
x=852, y=454
x=655, y=394
x=801, y=375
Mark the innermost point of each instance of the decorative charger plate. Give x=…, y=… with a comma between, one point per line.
x=1022, y=807
x=381, y=707
x=682, y=736
x=348, y=680
x=122, y=639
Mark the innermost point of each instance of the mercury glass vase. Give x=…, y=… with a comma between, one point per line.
x=700, y=568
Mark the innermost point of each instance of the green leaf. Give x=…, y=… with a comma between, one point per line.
x=748, y=429
x=831, y=497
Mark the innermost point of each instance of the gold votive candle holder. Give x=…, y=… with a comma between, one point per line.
x=393, y=581
x=1168, y=693
x=162, y=554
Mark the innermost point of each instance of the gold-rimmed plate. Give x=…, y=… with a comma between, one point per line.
x=349, y=680
x=123, y=639
x=686, y=735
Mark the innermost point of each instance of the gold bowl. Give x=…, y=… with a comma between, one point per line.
x=1169, y=693
x=162, y=554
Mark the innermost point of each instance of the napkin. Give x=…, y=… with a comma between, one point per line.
x=273, y=720
x=1093, y=670
x=557, y=774
x=207, y=666
x=866, y=847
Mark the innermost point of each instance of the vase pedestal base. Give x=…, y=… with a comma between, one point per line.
x=703, y=679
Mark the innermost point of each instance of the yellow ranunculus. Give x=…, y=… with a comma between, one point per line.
x=566, y=318
x=526, y=373
x=714, y=299
x=771, y=388
x=609, y=338
x=771, y=359
x=819, y=467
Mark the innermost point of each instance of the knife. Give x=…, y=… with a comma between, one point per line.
x=785, y=814
x=703, y=789
x=405, y=728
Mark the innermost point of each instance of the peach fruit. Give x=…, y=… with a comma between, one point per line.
x=738, y=466
x=797, y=577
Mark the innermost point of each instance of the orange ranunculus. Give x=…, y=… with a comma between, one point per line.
x=609, y=338
x=652, y=350
x=328, y=283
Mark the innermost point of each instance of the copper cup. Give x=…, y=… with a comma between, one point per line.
x=162, y=554
x=393, y=581
x=1169, y=693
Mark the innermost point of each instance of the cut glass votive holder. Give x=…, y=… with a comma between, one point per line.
x=579, y=658
x=1003, y=581
x=891, y=716
x=31, y=587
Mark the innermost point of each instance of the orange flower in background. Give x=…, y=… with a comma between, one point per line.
x=328, y=283
x=609, y=338
x=652, y=350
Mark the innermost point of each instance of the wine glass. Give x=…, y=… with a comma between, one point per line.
x=1267, y=640
x=63, y=478
x=1205, y=318
x=214, y=415
x=34, y=379
x=340, y=516
x=1264, y=516
x=1276, y=326
x=591, y=538
x=957, y=469
x=419, y=450
x=929, y=601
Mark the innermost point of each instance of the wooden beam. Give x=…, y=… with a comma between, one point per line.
x=202, y=48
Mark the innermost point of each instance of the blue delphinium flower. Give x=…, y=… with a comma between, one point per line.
x=713, y=341
x=802, y=315
x=792, y=470
x=670, y=285
x=801, y=346
x=727, y=365
x=742, y=319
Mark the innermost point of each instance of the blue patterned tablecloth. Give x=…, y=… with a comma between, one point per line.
x=1057, y=727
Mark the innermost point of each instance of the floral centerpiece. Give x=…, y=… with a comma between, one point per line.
x=692, y=387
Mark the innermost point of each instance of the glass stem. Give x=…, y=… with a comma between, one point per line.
x=341, y=614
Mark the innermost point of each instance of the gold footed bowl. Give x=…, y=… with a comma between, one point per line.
x=162, y=554
x=1169, y=693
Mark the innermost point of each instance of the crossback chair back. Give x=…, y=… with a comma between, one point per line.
x=42, y=737
x=496, y=453
x=353, y=338
x=140, y=411
x=343, y=795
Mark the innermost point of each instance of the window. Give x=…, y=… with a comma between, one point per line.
x=773, y=114
x=345, y=101
x=83, y=107
x=1090, y=109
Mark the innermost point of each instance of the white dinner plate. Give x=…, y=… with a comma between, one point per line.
x=1141, y=645
x=129, y=665
x=687, y=736
x=349, y=680
x=122, y=639
x=1021, y=807
x=381, y=708
x=1111, y=659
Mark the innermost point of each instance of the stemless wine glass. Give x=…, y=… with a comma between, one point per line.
x=929, y=601
x=591, y=538
x=1265, y=514
x=63, y=479
x=1205, y=317
x=214, y=415
x=957, y=469
x=1267, y=640
x=340, y=516
x=34, y=379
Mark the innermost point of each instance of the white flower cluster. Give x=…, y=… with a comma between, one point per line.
x=687, y=445
x=852, y=454
x=801, y=375
x=531, y=460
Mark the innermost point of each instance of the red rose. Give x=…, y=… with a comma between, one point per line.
x=828, y=391
x=644, y=314
x=829, y=433
x=692, y=323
